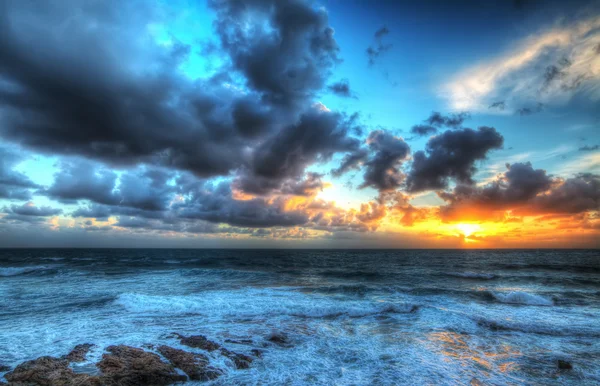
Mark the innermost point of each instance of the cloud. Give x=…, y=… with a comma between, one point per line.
x=378, y=49
x=126, y=102
x=214, y=203
x=28, y=212
x=317, y=136
x=500, y=105
x=589, y=148
x=423, y=130
x=523, y=191
x=437, y=120
x=382, y=168
x=515, y=188
x=341, y=88
x=575, y=195
x=14, y=185
x=451, y=155
x=515, y=75
x=287, y=54
x=530, y=110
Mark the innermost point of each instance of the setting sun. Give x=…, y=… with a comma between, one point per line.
x=468, y=229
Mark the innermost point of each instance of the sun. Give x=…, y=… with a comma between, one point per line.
x=468, y=229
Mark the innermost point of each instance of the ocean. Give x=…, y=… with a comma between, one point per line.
x=350, y=317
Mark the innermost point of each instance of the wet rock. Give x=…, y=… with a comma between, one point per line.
x=129, y=366
x=78, y=354
x=239, y=341
x=198, y=341
x=193, y=364
x=4, y=368
x=241, y=361
x=257, y=353
x=49, y=371
x=278, y=338
x=564, y=365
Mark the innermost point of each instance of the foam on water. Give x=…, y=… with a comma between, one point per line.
x=408, y=324
x=518, y=297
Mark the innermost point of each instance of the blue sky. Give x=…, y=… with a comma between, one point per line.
x=537, y=61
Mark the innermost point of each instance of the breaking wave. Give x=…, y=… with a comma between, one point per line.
x=518, y=297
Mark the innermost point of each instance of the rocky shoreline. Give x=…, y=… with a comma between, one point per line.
x=123, y=365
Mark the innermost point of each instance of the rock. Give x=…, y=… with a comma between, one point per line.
x=4, y=368
x=49, y=371
x=193, y=364
x=241, y=361
x=79, y=352
x=278, y=338
x=239, y=341
x=129, y=366
x=476, y=382
x=198, y=341
x=564, y=365
x=257, y=353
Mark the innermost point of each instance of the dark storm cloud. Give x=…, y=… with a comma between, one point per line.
x=589, y=148
x=28, y=212
x=451, y=155
x=500, y=105
x=517, y=186
x=144, y=189
x=382, y=169
x=82, y=180
x=351, y=161
x=214, y=203
x=124, y=102
x=289, y=61
x=14, y=185
x=575, y=195
x=379, y=48
x=317, y=136
x=341, y=88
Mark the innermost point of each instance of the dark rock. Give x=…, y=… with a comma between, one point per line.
x=241, y=361
x=4, y=368
x=49, y=371
x=257, y=353
x=193, y=364
x=79, y=352
x=129, y=366
x=239, y=341
x=198, y=341
x=564, y=365
x=278, y=338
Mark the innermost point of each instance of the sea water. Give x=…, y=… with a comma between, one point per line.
x=378, y=317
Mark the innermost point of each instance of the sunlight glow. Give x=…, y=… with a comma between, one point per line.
x=468, y=229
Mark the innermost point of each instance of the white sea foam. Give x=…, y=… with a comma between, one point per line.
x=518, y=297
x=248, y=303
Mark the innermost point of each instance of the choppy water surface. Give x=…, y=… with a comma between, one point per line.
x=353, y=317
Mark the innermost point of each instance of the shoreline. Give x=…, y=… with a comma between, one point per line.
x=123, y=365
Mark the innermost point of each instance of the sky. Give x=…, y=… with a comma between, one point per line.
x=300, y=124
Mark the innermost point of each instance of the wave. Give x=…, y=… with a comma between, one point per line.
x=473, y=275
x=264, y=303
x=518, y=297
x=537, y=328
x=15, y=271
